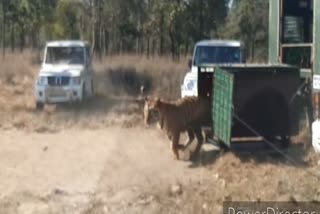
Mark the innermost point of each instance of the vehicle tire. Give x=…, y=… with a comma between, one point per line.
x=39, y=106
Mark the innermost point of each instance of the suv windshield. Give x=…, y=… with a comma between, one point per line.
x=216, y=54
x=65, y=55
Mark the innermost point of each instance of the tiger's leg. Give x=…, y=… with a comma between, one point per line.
x=175, y=144
x=200, y=140
x=190, y=138
x=160, y=123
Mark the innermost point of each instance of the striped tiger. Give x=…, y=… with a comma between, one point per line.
x=186, y=114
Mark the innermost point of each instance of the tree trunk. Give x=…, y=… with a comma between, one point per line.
x=148, y=47
x=200, y=33
x=4, y=30
x=12, y=37
x=142, y=44
x=161, y=33
x=186, y=51
x=173, y=46
x=153, y=48
x=121, y=46
x=99, y=42
x=22, y=39
x=177, y=49
x=172, y=37
x=252, y=52
x=93, y=28
x=103, y=40
x=100, y=30
x=35, y=37
x=81, y=28
x=106, y=41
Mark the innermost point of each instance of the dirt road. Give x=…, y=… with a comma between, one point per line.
x=131, y=170
x=67, y=172
x=98, y=158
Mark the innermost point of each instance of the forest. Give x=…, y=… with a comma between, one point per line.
x=147, y=27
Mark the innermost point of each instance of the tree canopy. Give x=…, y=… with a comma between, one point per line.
x=130, y=26
x=248, y=21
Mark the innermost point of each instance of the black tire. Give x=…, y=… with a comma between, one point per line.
x=39, y=106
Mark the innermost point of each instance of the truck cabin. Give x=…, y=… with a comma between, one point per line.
x=67, y=52
x=215, y=52
x=294, y=32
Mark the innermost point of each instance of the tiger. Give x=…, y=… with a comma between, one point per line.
x=186, y=114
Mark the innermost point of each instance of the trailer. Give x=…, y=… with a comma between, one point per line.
x=268, y=100
x=253, y=102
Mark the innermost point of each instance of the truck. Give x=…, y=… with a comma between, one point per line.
x=66, y=73
x=294, y=39
x=265, y=102
x=210, y=52
x=254, y=103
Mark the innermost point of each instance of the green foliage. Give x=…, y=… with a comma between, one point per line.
x=248, y=21
x=66, y=16
x=143, y=26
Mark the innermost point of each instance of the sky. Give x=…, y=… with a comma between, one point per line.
x=230, y=3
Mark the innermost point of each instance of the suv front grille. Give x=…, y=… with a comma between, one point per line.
x=58, y=81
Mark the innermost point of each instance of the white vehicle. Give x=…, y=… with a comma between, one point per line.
x=66, y=74
x=210, y=52
x=316, y=136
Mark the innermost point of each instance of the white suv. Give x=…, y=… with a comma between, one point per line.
x=66, y=74
x=210, y=52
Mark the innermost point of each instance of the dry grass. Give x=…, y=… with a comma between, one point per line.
x=116, y=76
x=17, y=74
x=234, y=177
x=126, y=73
x=15, y=65
x=141, y=62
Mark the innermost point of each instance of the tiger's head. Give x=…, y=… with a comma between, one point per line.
x=150, y=111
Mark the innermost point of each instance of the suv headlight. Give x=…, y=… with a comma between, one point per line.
x=190, y=84
x=75, y=80
x=41, y=80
